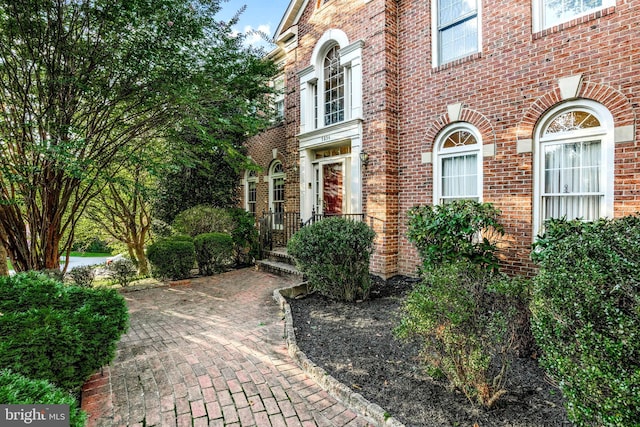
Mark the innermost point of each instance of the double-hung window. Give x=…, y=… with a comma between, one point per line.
x=458, y=165
x=575, y=162
x=458, y=30
x=278, y=86
x=548, y=13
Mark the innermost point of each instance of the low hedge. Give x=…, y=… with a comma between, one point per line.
x=172, y=258
x=334, y=255
x=214, y=252
x=586, y=317
x=16, y=389
x=62, y=334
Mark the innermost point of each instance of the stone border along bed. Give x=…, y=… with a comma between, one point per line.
x=332, y=386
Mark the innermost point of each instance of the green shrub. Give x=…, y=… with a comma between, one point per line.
x=456, y=230
x=123, y=271
x=83, y=275
x=16, y=389
x=244, y=235
x=214, y=252
x=203, y=219
x=62, y=334
x=586, y=317
x=172, y=258
x=466, y=319
x=53, y=273
x=334, y=255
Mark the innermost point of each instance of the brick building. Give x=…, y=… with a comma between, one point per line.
x=388, y=104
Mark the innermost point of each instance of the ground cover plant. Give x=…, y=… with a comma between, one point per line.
x=586, y=317
x=16, y=389
x=62, y=334
x=334, y=254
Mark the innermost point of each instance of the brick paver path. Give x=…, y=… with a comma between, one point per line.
x=211, y=353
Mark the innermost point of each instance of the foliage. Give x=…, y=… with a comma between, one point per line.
x=83, y=275
x=123, y=271
x=466, y=319
x=172, y=258
x=211, y=181
x=586, y=316
x=244, y=235
x=203, y=219
x=123, y=210
x=214, y=252
x=91, y=244
x=334, y=255
x=53, y=273
x=87, y=86
x=16, y=389
x=460, y=229
x=62, y=334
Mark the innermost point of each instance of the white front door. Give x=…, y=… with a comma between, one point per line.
x=330, y=196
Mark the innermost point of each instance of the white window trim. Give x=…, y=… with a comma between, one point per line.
x=538, y=14
x=435, y=36
x=312, y=81
x=605, y=133
x=247, y=180
x=272, y=177
x=439, y=153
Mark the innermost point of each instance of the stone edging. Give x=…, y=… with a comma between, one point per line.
x=335, y=388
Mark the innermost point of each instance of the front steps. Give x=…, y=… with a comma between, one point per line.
x=277, y=261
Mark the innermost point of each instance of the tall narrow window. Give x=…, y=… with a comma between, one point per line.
x=251, y=195
x=458, y=167
x=277, y=194
x=278, y=86
x=333, y=87
x=548, y=13
x=574, y=164
x=458, y=29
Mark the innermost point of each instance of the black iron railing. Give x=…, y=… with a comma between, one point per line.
x=276, y=228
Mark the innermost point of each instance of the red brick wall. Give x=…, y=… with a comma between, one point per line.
x=511, y=83
x=504, y=90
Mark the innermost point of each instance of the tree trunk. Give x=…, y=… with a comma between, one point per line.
x=4, y=267
x=143, y=263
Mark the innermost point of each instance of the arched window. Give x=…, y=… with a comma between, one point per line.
x=458, y=164
x=333, y=87
x=574, y=170
x=276, y=193
x=251, y=194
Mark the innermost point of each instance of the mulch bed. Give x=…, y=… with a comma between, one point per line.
x=355, y=344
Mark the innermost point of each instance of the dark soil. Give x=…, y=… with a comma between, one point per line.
x=355, y=344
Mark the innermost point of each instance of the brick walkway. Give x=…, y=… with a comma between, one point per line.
x=211, y=353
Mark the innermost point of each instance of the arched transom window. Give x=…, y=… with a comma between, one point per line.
x=333, y=87
x=458, y=167
x=575, y=161
x=276, y=192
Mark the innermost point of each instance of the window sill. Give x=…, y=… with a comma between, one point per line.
x=456, y=62
x=573, y=23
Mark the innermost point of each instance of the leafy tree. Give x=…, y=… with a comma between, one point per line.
x=123, y=211
x=85, y=85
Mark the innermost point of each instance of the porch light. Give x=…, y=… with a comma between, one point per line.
x=364, y=158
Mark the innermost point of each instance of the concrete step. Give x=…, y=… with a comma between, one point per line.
x=277, y=267
x=280, y=255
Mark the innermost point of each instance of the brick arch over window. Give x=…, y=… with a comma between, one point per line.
x=618, y=104
x=473, y=117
